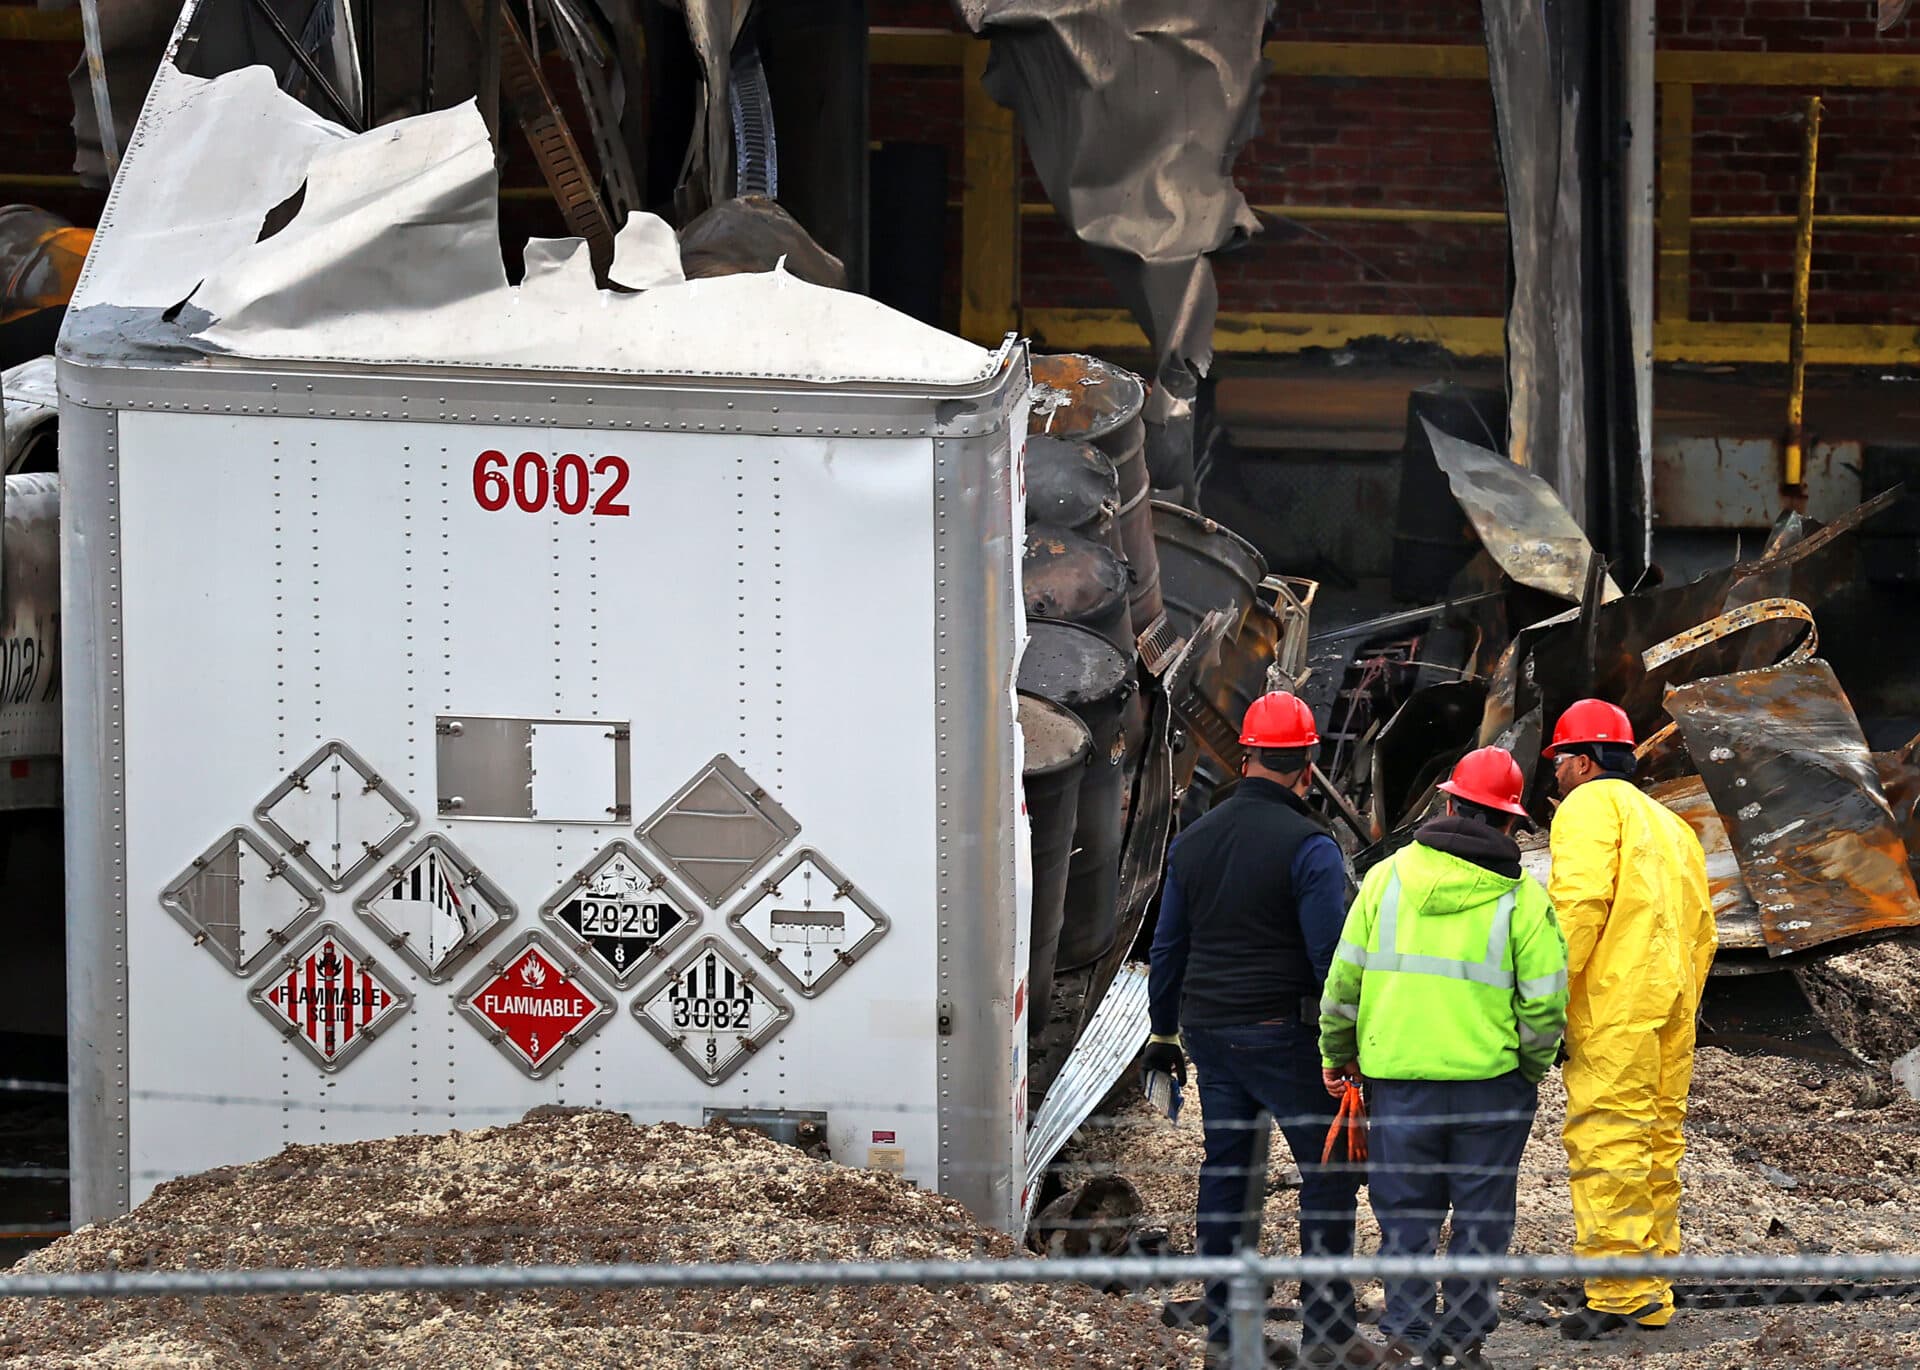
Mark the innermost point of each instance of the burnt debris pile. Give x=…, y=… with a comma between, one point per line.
x=1153, y=627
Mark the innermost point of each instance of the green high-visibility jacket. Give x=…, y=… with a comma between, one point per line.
x=1445, y=971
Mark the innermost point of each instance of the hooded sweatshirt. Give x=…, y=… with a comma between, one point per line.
x=1451, y=965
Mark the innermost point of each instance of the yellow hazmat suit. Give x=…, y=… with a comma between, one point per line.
x=1629, y=883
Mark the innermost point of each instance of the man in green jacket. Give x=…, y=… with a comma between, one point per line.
x=1448, y=995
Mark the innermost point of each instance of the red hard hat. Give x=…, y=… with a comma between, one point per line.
x=1591, y=720
x=1278, y=720
x=1490, y=777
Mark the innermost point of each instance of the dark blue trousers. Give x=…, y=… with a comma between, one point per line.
x=1436, y=1145
x=1272, y=1068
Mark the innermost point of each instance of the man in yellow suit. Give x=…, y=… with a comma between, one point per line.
x=1629, y=883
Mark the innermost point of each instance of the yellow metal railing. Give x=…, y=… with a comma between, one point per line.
x=990, y=205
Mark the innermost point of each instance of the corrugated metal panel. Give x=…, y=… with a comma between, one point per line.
x=1113, y=1038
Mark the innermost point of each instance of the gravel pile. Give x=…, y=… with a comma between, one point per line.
x=570, y=1187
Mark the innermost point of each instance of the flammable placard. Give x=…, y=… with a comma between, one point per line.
x=536, y=1004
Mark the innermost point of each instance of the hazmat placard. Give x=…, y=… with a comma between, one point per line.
x=620, y=911
x=810, y=923
x=435, y=907
x=712, y=1010
x=535, y=1004
x=330, y=998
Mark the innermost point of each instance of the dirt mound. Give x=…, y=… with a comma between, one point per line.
x=579, y=1187
x=1869, y=999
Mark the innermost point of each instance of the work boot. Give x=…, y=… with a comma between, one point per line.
x=1400, y=1351
x=1587, y=1323
x=1462, y=1357
x=1355, y=1351
x=1278, y=1354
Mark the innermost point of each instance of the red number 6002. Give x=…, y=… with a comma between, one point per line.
x=566, y=483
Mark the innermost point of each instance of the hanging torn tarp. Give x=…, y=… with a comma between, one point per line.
x=1783, y=757
x=1519, y=518
x=1133, y=111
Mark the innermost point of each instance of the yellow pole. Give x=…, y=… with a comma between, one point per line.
x=989, y=210
x=1676, y=201
x=1793, y=465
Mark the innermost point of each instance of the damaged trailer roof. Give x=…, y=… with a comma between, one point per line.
x=244, y=225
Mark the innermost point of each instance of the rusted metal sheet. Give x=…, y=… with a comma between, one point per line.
x=1132, y=112
x=1418, y=745
x=1733, y=907
x=1713, y=481
x=1733, y=621
x=1900, y=777
x=1783, y=757
x=1546, y=664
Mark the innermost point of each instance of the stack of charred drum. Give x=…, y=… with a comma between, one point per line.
x=1110, y=571
x=1092, y=584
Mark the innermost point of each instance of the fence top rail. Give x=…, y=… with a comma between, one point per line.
x=1139, y=1270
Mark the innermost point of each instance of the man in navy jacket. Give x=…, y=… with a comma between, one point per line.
x=1250, y=912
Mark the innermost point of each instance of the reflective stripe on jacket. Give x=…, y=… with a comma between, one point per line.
x=1445, y=971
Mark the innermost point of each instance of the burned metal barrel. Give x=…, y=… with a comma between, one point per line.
x=1204, y=566
x=1057, y=748
x=1242, y=675
x=1078, y=669
x=1076, y=580
x=1072, y=484
x=1083, y=397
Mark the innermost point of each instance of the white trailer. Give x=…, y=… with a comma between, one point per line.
x=486, y=696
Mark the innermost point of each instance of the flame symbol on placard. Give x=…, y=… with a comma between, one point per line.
x=328, y=965
x=533, y=973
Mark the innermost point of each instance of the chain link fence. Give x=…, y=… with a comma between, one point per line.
x=575, y=1236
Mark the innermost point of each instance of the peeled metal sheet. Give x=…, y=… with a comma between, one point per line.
x=1520, y=519
x=1536, y=59
x=1784, y=759
x=1114, y=1036
x=393, y=256
x=1734, y=913
x=1545, y=665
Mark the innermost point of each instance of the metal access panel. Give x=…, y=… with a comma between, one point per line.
x=561, y=770
x=798, y=624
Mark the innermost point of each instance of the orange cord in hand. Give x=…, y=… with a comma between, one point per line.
x=1351, y=1119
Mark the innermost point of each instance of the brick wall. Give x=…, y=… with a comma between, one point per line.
x=1418, y=143
x=1747, y=149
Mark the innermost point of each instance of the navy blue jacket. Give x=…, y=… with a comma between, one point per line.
x=1250, y=912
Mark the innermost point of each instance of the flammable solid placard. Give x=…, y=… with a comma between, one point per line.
x=329, y=998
